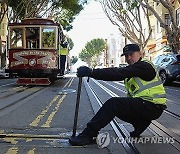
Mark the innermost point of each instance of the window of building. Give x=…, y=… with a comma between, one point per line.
x=178, y=16
x=144, y=32
x=158, y=26
x=153, y=32
x=112, y=61
x=167, y=19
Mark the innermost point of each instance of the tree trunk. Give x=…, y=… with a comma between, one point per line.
x=173, y=40
x=176, y=44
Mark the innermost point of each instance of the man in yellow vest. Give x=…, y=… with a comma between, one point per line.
x=63, y=52
x=145, y=101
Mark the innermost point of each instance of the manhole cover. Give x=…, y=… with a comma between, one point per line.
x=66, y=91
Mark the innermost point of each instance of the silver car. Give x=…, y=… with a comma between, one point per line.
x=168, y=66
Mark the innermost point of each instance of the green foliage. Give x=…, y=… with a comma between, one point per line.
x=69, y=9
x=134, y=5
x=70, y=43
x=18, y=8
x=74, y=59
x=84, y=55
x=92, y=49
x=62, y=11
x=48, y=39
x=131, y=4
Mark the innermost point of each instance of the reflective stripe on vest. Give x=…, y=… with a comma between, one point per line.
x=148, y=90
x=150, y=85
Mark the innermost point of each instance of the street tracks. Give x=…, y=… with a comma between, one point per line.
x=9, y=101
x=129, y=147
x=156, y=128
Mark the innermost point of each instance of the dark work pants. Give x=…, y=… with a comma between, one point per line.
x=62, y=63
x=132, y=110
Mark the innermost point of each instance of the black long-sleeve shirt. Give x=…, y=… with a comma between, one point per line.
x=141, y=69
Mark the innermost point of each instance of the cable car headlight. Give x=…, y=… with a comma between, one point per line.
x=32, y=62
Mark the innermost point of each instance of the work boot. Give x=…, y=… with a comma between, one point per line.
x=81, y=139
x=138, y=130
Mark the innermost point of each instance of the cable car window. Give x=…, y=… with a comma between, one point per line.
x=16, y=38
x=32, y=37
x=48, y=38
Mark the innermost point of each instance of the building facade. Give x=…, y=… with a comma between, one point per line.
x=158, y=44
x=3, y=35
x=115, y=44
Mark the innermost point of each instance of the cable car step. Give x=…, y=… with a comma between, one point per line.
x=33, y=81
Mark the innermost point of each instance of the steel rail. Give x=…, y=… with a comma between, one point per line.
x=23, y=90
x=20, y=99
x=172, y=114
x=120, y=130
x=15, y=92
x=157, y=127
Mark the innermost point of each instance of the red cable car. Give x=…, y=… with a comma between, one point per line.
x=33, y=51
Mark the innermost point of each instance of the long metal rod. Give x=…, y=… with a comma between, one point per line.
x=77, y=107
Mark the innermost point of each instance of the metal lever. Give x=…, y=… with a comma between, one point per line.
x=77, y=107
x=88, y=79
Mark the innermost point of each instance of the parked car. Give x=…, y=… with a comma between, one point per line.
x=123, y=65
x=168, y=66
x=3, y=74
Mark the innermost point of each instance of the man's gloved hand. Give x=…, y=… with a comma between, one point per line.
x=84, y=71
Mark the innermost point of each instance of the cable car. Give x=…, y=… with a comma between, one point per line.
x=34, y=51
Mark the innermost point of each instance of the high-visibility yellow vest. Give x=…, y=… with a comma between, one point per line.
x=63, y=51
x=152, y=91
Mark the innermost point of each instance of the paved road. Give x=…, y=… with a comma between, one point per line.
x=39, y=119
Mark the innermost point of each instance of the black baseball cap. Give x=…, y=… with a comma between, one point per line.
x=130, y=48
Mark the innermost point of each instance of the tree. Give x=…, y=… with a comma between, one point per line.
x=92, y=49
x=24, y=8
x=70, y=8
x=3, y=11
x=85, y=56
x=116, y=11
x=61, y=11
x=74, y=59
x=127, y=16
x=172, y=30
x=70, y=43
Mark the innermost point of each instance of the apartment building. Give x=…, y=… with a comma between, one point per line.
x=115, y=44
x=3, y=33
x=158, y=43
